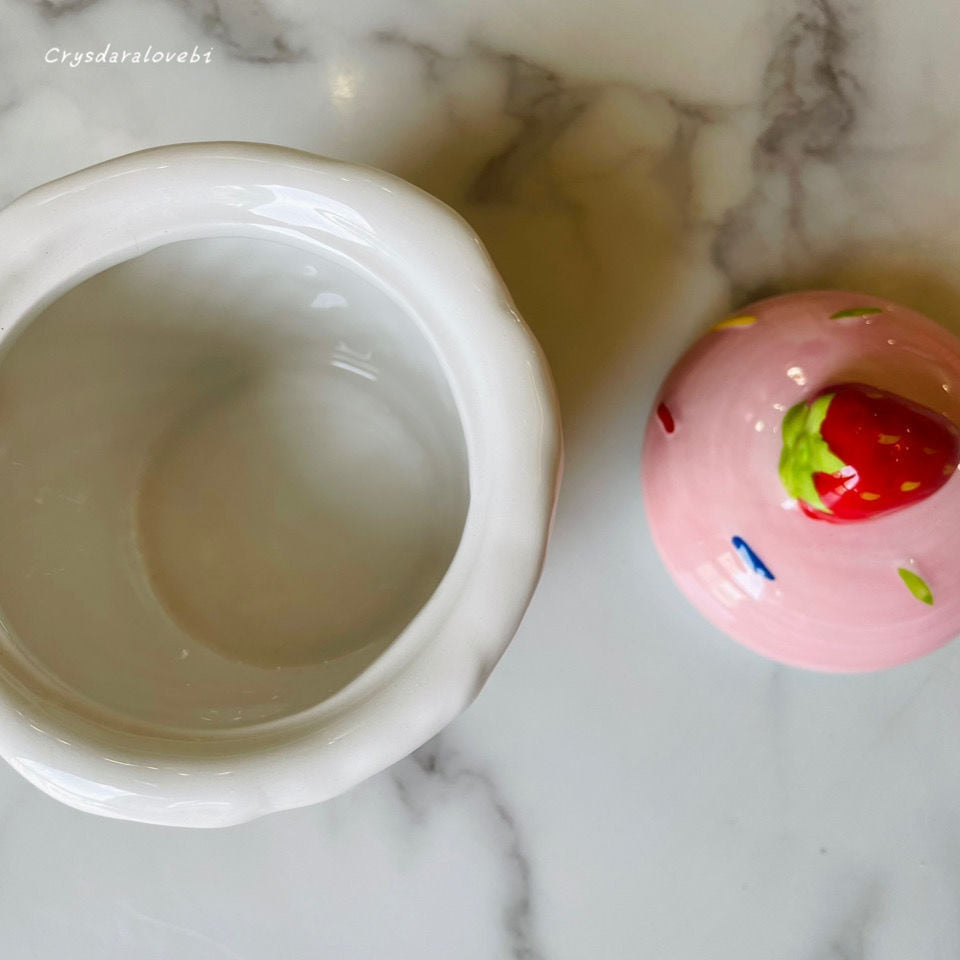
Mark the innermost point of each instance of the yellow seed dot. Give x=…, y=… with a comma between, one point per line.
x=909, y=485
x=948, y=469
x=887, y=438
x=929, y=450
x=869, y=496
x=735, y=322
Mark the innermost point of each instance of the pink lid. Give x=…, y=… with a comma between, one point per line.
x=835, y=596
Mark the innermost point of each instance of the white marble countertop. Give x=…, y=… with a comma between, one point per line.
x=630, y=784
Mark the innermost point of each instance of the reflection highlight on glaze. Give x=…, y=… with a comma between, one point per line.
x=304, y=208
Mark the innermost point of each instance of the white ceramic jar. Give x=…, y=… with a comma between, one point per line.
x=279, y=460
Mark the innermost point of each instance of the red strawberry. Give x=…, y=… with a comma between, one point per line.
x=852, y=452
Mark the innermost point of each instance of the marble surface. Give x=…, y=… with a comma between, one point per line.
x=629, y=784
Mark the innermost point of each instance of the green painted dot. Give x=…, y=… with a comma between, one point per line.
x=916, y=585
x=855, y=312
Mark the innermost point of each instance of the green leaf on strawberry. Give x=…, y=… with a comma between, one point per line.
x=805, y=452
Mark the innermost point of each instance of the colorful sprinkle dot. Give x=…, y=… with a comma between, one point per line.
x=744, y=321
x=855, y=312
x=752, y=561
x=916, y=585
x=666, y=418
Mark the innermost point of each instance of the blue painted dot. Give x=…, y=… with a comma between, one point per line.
x=752, y=561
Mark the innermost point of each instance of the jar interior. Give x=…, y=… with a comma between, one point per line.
x=232, y=472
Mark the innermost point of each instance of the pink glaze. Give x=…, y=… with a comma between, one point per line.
x=837, y=602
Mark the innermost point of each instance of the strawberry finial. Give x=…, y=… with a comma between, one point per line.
x=852, y=452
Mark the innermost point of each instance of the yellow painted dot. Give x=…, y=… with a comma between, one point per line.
x=887, y=438
x=869, y=496
x=744, y=321
x=929, y=450
x=948, y=469
x=909, y=485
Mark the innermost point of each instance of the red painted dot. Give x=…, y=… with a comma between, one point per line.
x=666, y=418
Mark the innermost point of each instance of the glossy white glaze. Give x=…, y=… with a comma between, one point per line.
x=205, y=630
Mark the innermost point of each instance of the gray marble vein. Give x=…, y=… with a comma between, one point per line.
x=540, y=102
x=852, y=941
x=809, y=108
x=543, y=106
x=432, y=59
x=52, y=9
x=248, y=29
x=437, y=773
